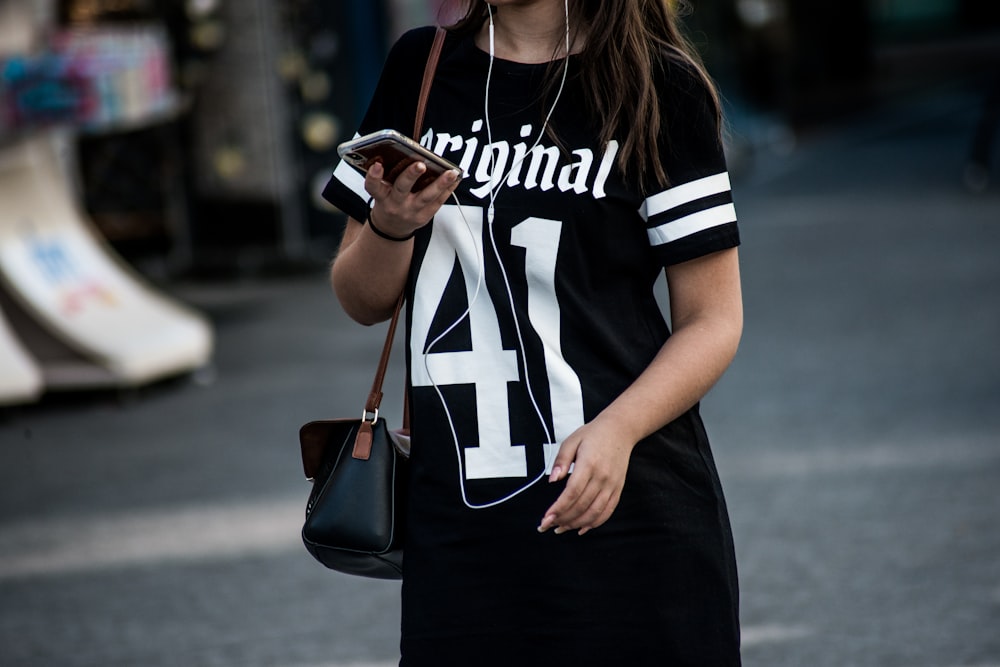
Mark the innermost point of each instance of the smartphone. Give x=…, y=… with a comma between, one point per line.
x=396, y=152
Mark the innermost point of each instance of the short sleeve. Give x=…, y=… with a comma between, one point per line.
x=393, y=106
x=694, y=215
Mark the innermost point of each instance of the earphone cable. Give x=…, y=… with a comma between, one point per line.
x=495, y=187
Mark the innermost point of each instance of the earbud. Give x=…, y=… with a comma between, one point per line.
x=489, y=8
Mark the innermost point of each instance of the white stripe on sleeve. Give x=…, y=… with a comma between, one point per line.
x=692, y=224
x=683, y=194
x=353, y=179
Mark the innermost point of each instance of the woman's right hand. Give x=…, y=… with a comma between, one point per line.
x=398, y=210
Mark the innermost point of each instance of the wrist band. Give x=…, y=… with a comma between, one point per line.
x=387, y=237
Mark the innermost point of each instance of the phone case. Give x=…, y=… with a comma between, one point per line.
x=396, y=152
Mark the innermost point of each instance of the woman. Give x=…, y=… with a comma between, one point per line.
x=564, y=505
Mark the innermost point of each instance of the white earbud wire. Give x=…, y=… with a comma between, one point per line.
x=495, y=187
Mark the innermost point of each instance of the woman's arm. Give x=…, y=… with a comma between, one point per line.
x=370, y=271
x=707, y=317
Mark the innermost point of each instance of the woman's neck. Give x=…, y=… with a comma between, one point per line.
x=527, y=34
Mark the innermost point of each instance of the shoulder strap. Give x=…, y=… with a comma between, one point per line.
x=425, y=86
x=375, y=397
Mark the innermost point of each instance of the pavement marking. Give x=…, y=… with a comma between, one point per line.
x=940, y=453
x=67, y=544
x=766, y=634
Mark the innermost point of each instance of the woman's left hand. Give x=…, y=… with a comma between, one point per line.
x=706, y=311
x=599, y=453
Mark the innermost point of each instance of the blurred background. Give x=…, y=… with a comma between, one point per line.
x=166, y=326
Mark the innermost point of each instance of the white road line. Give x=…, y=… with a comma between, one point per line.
x=68, y=544
x=766, y=634
x=874, y=457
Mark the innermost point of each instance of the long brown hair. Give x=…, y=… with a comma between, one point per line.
x=619, y=60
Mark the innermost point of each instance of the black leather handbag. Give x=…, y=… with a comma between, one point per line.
x=355, y=514
x=356, y=511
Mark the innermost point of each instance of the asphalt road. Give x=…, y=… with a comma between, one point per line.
x=857, y=434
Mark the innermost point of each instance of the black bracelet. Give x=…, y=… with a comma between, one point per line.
x=387, y=237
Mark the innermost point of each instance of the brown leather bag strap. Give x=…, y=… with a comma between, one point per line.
x=375, y=397
x=425, y=86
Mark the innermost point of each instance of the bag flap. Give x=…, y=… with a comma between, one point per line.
x=314, y=437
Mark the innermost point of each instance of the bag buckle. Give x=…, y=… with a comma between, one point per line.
x=364, y=416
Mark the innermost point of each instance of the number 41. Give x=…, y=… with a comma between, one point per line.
x=488, y=366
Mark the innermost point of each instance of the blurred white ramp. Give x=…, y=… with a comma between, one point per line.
x=20, y=377
x=84, y=315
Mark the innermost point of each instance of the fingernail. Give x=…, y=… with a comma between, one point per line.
x=421, y=167
x=582, y=531
x=555, y=474
x=560, y=530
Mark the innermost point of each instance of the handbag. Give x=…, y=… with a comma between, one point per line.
x=356, y=510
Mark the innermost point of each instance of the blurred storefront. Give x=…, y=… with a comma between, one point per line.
x=89, y=156
x=287, y=81
x=223, y=175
